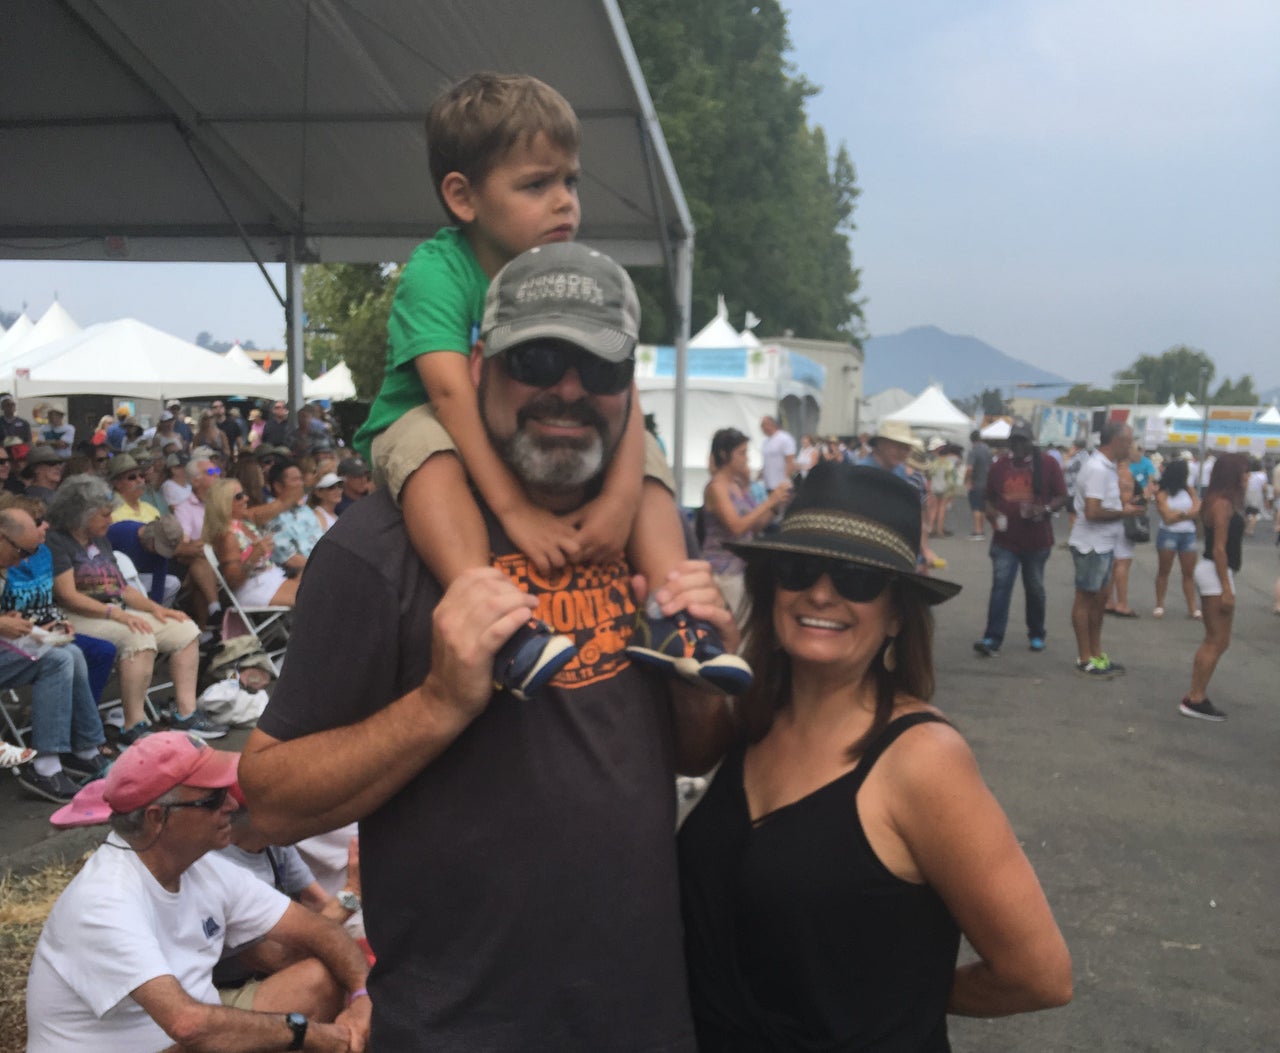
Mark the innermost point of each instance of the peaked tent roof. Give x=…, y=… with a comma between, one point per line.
x=17, y=332
x=931, y=409
x=1170, y=410
x=335, y=384
x=54, y=324
x=1271, y=416
x=718, y=332
x=237, y=354
x=128, y=358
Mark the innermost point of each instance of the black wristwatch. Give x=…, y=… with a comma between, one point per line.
x=298, y=1025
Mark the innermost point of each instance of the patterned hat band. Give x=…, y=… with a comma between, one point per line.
x=840, y=528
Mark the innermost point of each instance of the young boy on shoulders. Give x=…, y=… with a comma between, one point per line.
x=503, y=155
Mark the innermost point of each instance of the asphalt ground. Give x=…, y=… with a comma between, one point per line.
x=1154, y=835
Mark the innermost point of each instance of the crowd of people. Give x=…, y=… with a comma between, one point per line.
x=499, y=661
x=105, y=563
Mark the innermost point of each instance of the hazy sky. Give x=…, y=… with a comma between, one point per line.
x=1076, y=182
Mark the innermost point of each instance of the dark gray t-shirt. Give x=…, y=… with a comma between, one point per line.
x=521, y=892
x=980, y=461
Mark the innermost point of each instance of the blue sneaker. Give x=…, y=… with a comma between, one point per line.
x=532, y=656
x=987, y=647
x=1037, y=644
x=131, y=735
x=196, y=723
x=690, y=649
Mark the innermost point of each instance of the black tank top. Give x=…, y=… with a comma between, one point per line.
x=1235, y=540
x=797, y=936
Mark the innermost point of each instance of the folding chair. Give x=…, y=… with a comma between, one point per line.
x=268, y=625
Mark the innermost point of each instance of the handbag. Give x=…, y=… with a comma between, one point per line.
x=1137, y=527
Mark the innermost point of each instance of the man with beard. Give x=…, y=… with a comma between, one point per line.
x=517, y=857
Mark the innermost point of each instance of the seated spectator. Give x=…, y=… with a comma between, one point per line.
x=324, y=500
x=89, y=586
x=165, y=439
x=100, y=432
x=241, y=974
x=296, y=529
x=65, y=727
x=14, y=449
x=175, y=487
x=6, y=468
x=255, y=428
x=356, y=483
x=149, y=547
x=252, y=474
x=153, y=475
x=209, y=434
x=57, y=433
x=244, y=554
x=128, y=479
x=126, y=957
x=28, y=589
x=42, y=472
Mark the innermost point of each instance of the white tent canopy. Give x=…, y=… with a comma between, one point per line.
x=130, y=359
x=1170, y=411
x=335, y=384
x=1272, y=416
x=997, y=429
x=54, y=324
x=718, y=332
x=237, y=355
x=931, y=409
x=17, y=332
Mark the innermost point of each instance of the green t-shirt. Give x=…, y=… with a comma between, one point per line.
x=437, y=307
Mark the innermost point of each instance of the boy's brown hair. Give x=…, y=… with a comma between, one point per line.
x=473, y=125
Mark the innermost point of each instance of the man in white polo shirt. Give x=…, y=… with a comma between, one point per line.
x=1099, y=525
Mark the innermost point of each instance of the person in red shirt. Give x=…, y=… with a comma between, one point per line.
x=1023, y=491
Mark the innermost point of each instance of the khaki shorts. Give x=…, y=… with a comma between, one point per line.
x=165, y=637
x=406, y=446
x=239, y=997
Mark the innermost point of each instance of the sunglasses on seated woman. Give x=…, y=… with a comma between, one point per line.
x=542, y=364
x=795, y=573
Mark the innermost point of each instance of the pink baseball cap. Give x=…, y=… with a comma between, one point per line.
x=152, y=766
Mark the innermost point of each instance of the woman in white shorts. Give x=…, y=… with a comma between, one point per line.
x=1179, y=508
x=244, y=554
x=1223, y=517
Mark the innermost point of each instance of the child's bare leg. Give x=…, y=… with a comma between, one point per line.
x=657, y=544
x=443, y=520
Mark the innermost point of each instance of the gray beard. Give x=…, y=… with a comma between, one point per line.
x=555, y=464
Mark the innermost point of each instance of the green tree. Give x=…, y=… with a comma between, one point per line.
x=1240, y=393
x=772, y=207
x=1173, y=374
x=347, y=305
x=992, y=400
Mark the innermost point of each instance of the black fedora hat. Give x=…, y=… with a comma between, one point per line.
x=866, y=516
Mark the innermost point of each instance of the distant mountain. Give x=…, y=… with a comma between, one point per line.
x=963, y=365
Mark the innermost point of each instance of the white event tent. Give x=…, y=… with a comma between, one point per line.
x=130, y=359
x=16, y=334
x=335, y=385
x=54, y=324
x=931, y=411
x=997, y=430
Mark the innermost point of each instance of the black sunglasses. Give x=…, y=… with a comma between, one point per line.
x=542, y=363
x=795, y=573
x=6, y=460
x=211, y=803
x=27, y=553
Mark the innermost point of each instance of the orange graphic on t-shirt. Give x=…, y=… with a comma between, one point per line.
x=590, y=602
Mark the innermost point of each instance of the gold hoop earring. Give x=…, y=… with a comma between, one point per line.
x=889, y=658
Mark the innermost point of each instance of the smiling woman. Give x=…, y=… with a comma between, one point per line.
x=840, y=853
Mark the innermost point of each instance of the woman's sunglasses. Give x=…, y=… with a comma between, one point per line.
x=795, y=573
x=211, y=803
x=542, y=363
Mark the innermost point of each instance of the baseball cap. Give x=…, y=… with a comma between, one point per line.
x=149, y=768
x=563, y=291
x=327, y=480
x=165, y=535
x=352, y=466
x=166, y=415
x=1021, y=429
